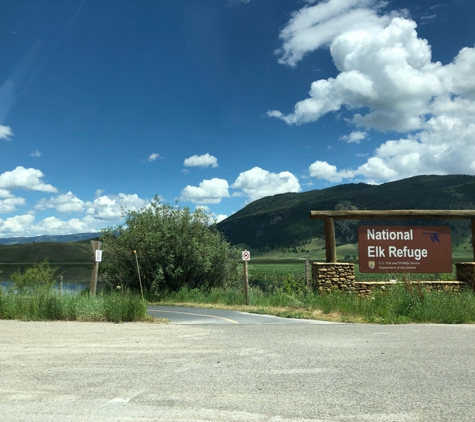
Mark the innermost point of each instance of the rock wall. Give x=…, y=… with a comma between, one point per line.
x=328, y=277
x=333, y=276
x=466, y=273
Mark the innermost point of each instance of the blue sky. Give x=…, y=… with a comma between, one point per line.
x=216, y=103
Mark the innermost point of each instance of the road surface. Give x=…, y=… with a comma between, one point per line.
x=185, y=315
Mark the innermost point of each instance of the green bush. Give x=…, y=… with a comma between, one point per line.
x=39, y=278
x=173, y=248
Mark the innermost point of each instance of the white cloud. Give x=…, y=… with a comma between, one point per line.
x=89, y=216
x=109, y=208
x=204, y=160
x=220, y=217
x=214, y=218
x=388, y=82
x=10, y=204
x=208, y=192
x=257, y=183
x=65, y=203
x=6, y=132
x=153, y=157
x=35, y=154
x=316, y=26
x=27, y=179
x=5, y=194
x=355, y=137
x=19, y=225
x=323, y=170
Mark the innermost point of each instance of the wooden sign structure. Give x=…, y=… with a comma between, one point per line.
x=330, y=216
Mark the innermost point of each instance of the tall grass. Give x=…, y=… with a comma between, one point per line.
x=116, y=307
x=399, y=304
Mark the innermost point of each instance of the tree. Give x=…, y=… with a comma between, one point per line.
x=174, y=248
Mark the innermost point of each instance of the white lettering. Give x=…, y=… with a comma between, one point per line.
x=417, y=254
x=386, y=234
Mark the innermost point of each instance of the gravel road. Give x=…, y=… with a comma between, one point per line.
x=70, y=371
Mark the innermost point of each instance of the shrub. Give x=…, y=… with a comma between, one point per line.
x=39, y=278
x=173, y=248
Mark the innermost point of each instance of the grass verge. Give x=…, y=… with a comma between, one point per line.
x=115, y=307
x=398, y=305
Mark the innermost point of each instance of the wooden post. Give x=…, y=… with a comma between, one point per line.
x=138, y=271
x=307, y=272
x=246, y=283
x=96, y=245
x=473, y=238
x=330, y=240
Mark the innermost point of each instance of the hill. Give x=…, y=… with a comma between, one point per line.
x=282, y=221
x=48, y=238
x=73, y=252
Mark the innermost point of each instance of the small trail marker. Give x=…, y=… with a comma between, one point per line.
x=246, y=257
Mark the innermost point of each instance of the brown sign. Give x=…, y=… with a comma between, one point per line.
x=404, y=249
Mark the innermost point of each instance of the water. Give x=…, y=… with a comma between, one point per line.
x=68, y=286
x=75, y=279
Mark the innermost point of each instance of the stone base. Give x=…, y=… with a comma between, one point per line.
x=466, y=273
x=333, y=276
x=366, y=288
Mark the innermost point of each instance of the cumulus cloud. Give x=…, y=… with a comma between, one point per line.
x=355, y=137
x=257, y=183
x=208, y=192
x=89, y=216
x=23, y=178
x=65, y=203
x=6, y=132
x=153, y=157
x=35, y=154
x=10, y=204
x=220, y=217
x=105, y=207
x=109, y=207
x=26, y=225
x=204, y=160
x=387, y=81
x=15, y=226
x=323, y=170
x=213, y=218
x=5, y=193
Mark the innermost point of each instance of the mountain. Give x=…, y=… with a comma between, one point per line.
x=283, y=221
x=47, y=238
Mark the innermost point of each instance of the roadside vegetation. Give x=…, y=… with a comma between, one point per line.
x=403, y=303
x=31, y=298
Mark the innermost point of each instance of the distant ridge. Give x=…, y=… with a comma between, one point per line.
x=49, y=238
x=283, y=220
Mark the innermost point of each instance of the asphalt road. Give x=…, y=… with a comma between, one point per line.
x=185, y=315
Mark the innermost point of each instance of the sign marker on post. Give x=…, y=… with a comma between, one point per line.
x=96, y=248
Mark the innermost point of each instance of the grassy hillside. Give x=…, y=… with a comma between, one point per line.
x=48, y=238
x=282, y=221
x=73, y=252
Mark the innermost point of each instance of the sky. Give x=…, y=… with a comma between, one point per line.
x=213, y=104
